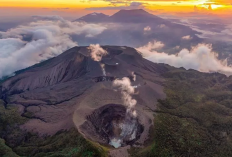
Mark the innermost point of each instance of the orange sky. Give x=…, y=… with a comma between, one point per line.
x=167, y=6
x=105, y=3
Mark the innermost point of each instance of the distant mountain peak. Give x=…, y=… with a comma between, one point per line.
x=95, y=13
x=134, y=15
x=133, y=10
x=94, y=17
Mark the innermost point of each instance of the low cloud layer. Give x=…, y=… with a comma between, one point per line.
x=200, y=58
x=29, y=44
x=225, y=34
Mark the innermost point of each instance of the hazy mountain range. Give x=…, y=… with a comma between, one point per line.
x=137, y=28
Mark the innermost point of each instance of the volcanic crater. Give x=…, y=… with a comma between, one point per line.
x=112, y=125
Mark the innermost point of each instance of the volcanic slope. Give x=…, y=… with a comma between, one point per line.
x=60, y=93
x=47, y=109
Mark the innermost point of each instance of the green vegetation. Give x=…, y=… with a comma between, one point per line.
x=63, y=144
x=20, y=143
x=9, y=117
x=195, y=119
x=6, y=151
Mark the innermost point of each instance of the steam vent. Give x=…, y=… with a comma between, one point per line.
x=112, y=126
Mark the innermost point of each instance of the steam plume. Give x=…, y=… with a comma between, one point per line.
x=134, y=76
x=97, y=52
x=126, y=89
x=128, y=126
x=103, y=69
x=200, y=58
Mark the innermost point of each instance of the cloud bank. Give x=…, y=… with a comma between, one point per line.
x=200, y=58
x=29, y=44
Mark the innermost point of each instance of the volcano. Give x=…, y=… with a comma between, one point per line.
x=71, y=91
x=135, y=16
x=94, y=17
x=69, y=105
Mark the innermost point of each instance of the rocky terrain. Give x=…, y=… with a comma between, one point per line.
x=67, y=106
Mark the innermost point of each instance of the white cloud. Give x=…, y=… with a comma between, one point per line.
x=147, y=29
x=227, y=31
x=200, y=58
x=177, y=47
x=148, y=49
x=187, y=37
x=29, y=44
x=224, y=35
x=6, y=47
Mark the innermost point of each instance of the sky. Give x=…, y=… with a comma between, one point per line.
x=77, y=8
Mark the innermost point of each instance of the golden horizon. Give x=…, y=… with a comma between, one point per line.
x=219, y=7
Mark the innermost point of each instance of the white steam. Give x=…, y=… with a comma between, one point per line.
x=97, y=52
x=134, y=76
x=103, y=69
x=29, y=44
x=129, y=125
x=127, y=90
x=200, y=58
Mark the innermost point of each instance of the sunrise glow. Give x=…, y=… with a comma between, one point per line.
x=167, y=6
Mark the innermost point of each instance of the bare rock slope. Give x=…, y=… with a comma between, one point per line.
x=60, y=93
